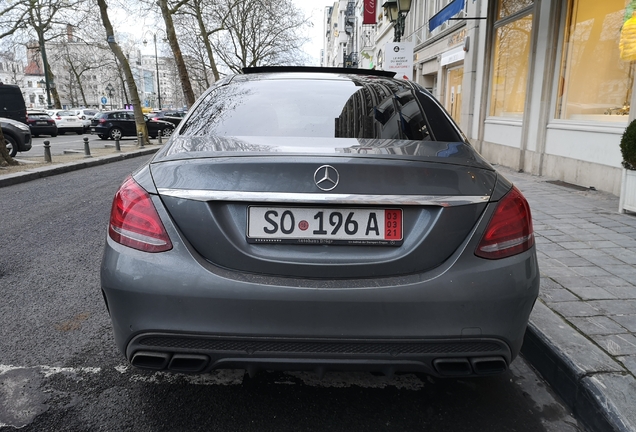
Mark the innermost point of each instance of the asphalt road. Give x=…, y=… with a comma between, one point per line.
x=60, y=369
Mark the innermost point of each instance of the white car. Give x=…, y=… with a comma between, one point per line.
x=85, y=115
x=67, y=121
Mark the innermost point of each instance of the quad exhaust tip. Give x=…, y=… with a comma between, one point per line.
x=457, y=367
x=184, y=363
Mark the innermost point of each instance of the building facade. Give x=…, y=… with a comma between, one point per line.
x=536, y=85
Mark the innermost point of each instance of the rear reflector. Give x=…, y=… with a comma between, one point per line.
x=134, y=221
x=509, y=231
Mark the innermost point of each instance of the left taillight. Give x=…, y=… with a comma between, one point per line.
x=509, y=231
x=134, y=221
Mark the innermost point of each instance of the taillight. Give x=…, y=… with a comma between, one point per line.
x=134, y=221
x=509, y=231
x=102, y=120
x=58, y=117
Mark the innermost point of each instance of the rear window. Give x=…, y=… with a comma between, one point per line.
x=66, y=113
x=360, y=108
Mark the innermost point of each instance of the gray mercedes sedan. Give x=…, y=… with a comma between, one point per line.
x=319, y=219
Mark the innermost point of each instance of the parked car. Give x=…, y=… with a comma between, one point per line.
x=173, y=117
x=41, y=123
x=17, y=136
x=12, y=104
x=86, y=115
x=66, y=121
x=118, y=124
x=309, y=218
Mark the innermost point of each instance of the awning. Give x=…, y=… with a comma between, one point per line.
x=452, y=9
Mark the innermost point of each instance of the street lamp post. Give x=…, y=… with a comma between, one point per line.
x=397, y=10
x=110, y=90
x=154, y=38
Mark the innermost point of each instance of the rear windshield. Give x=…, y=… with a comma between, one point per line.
x=358, y=108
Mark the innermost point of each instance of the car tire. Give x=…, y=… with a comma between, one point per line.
x=12, y=146
x=115, y=133
x=79, y=132
x=53, y=135
x=167, y=132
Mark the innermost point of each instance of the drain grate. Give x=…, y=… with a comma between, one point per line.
x=568, y=185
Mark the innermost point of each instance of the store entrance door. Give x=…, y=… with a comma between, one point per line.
x=453, y=104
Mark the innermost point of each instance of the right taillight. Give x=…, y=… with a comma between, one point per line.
x=509, y=231
x=134, y=221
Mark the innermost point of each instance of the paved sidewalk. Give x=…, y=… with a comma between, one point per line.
x=581, y=335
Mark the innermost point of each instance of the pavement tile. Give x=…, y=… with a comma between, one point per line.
x=622, y=292
x=590, y=271
x=629, y=362
x=576, y=281
x=614, y=307
x=575, y=263
x=557, y=272
x=589, y=253
x=617, y=344
x=575, y=309
x=609, y=281
x=598, y=325
x=559, y=253
x=574, y=245
x=628, y=271
x=550, y=247
x=557, y=295
x=601, y=261
x=603, y=244
x=627, y=321
x=592, y=293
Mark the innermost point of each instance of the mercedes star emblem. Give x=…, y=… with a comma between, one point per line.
x=326, y=177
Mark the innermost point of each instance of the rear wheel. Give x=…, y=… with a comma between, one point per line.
x=12, y=146
x=53, y=135
x=79, y=132
x=115, y=133
x=167, y=132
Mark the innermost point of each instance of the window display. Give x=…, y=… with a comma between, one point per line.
x=510, y=65
x=595, y=82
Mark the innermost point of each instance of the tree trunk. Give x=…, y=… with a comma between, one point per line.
x=176, y=52
x=5, y=158
x=125, y=67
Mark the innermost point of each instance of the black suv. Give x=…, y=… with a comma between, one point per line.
x=173, y=117
x=118, y=124
x=12, y=103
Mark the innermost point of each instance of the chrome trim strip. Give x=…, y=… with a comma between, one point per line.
x=321, y=198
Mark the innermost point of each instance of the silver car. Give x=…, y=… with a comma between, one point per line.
x=319, y=219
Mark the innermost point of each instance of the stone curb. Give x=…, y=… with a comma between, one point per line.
x=46, y=171
x=593, y=385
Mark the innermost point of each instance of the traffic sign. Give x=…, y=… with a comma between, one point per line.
x=104, y=100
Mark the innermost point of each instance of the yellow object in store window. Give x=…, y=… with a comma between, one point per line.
x=627, y=42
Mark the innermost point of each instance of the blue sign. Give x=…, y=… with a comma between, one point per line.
x=104, y=100
x=452, y=9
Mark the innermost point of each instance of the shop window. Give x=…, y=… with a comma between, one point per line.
x=594, y=83
x=511, y=59
x=507, y=8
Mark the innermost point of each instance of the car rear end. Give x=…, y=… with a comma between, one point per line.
x=67, y=121
x=41, y=123
x=273, y=235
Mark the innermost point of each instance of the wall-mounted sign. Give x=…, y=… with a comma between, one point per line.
x=398, y=57
x=369, y=12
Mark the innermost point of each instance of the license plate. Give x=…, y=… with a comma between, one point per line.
x=311, y=225
x=41, y=123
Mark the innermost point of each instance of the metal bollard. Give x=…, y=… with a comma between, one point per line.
x=47, y=152
x=140, y=140
x=117, y=146
x=87, y=149
x=160, y=136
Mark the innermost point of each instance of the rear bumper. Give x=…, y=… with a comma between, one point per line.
x=174, y=311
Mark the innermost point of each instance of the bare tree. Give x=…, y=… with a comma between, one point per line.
x=256, y=35
x=125, y=66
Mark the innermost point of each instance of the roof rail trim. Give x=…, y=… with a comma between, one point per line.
x=262, y=69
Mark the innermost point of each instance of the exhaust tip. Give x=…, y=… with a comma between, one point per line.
x=188, y=363
x=453, y=367
x=489, y=365
x=150, y=360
